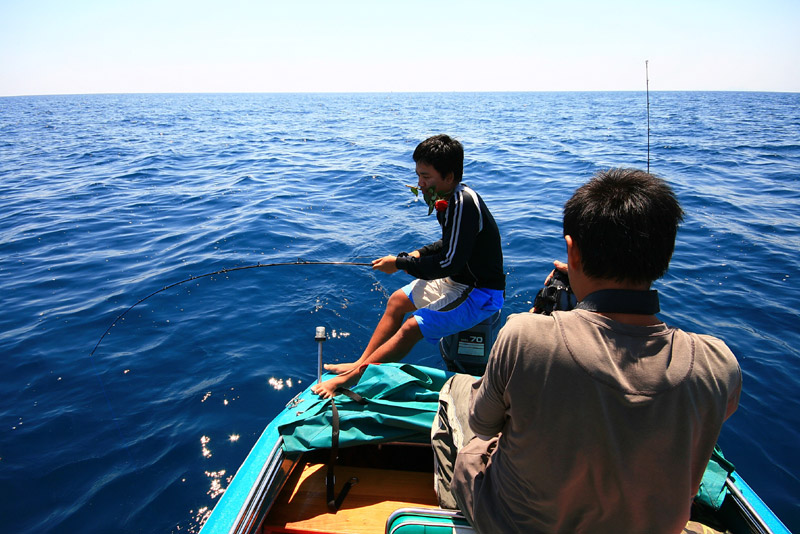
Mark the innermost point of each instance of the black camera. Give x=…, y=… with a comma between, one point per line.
x=556, y=295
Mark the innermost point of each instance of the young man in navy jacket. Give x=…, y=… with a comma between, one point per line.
x=459, y=278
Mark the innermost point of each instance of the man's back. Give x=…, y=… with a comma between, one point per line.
x=606, y=427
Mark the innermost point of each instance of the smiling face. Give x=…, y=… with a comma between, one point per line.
x=428, y=176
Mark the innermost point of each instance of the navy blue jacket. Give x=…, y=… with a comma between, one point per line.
x=469, y=251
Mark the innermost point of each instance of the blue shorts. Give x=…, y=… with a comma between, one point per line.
x=445, y=307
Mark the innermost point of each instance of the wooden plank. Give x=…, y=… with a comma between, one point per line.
x=302, y=505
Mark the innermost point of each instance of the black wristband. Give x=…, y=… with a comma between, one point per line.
x=403, y=255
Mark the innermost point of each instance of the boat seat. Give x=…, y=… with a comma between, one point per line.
x=439, y=521
x=427, y=521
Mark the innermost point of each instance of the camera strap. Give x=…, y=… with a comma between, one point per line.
x=621, y=301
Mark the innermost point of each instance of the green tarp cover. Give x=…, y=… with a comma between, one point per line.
x=712, y=487
x=402, y=401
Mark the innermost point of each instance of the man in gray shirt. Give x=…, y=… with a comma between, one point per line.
x=599, y=419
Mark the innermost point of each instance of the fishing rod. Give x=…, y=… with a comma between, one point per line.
x=647, y=81
x=222, y=271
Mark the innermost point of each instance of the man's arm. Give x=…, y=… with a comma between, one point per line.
x=488, y=407
x=429, y=250
x=388, y=264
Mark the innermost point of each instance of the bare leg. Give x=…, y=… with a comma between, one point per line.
x=396, y=309
x=393, y=350
x=399, y=345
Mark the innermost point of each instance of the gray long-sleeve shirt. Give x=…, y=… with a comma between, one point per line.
x=604, y=427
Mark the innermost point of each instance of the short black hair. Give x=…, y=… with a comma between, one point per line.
x=624, y=223
x=444, y=153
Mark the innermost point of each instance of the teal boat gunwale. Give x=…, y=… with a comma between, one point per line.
x=262, y=474
x=756, y=511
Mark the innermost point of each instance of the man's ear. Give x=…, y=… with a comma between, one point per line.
x=451, y=177
x=573, y=254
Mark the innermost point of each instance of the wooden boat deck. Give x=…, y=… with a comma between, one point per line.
x=301, y=506
x=390, y=477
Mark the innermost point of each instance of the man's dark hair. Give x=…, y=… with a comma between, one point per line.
x=444, y=153
x=624, y=223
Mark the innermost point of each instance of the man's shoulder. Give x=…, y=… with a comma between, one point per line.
x=468, y=195
x=526, y=318
x=716, y=365
x=700, y=339
x=528, y=324
x=712, y=347
x=531, y=339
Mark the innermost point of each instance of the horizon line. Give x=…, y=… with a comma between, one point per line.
x=508, y=91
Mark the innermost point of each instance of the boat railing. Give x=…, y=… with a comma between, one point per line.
x=253, y=512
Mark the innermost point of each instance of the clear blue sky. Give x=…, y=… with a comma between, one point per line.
x=113, y=46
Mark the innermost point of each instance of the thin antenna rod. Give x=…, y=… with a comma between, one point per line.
x=647, y=76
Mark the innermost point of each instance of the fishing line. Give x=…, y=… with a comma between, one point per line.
x=191, y=278
x=221, y=271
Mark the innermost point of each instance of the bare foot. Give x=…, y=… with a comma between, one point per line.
x=339, y=368
x=327, y=389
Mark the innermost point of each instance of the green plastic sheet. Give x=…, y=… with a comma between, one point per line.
x=401, y=402
x=712, y=488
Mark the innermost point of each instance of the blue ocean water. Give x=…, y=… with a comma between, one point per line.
x=106, y=199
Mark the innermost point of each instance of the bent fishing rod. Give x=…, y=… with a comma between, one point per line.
x=222, y=271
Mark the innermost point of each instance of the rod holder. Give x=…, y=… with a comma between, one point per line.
x=320, y=337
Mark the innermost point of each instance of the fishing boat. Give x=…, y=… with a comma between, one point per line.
x=363, y=464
